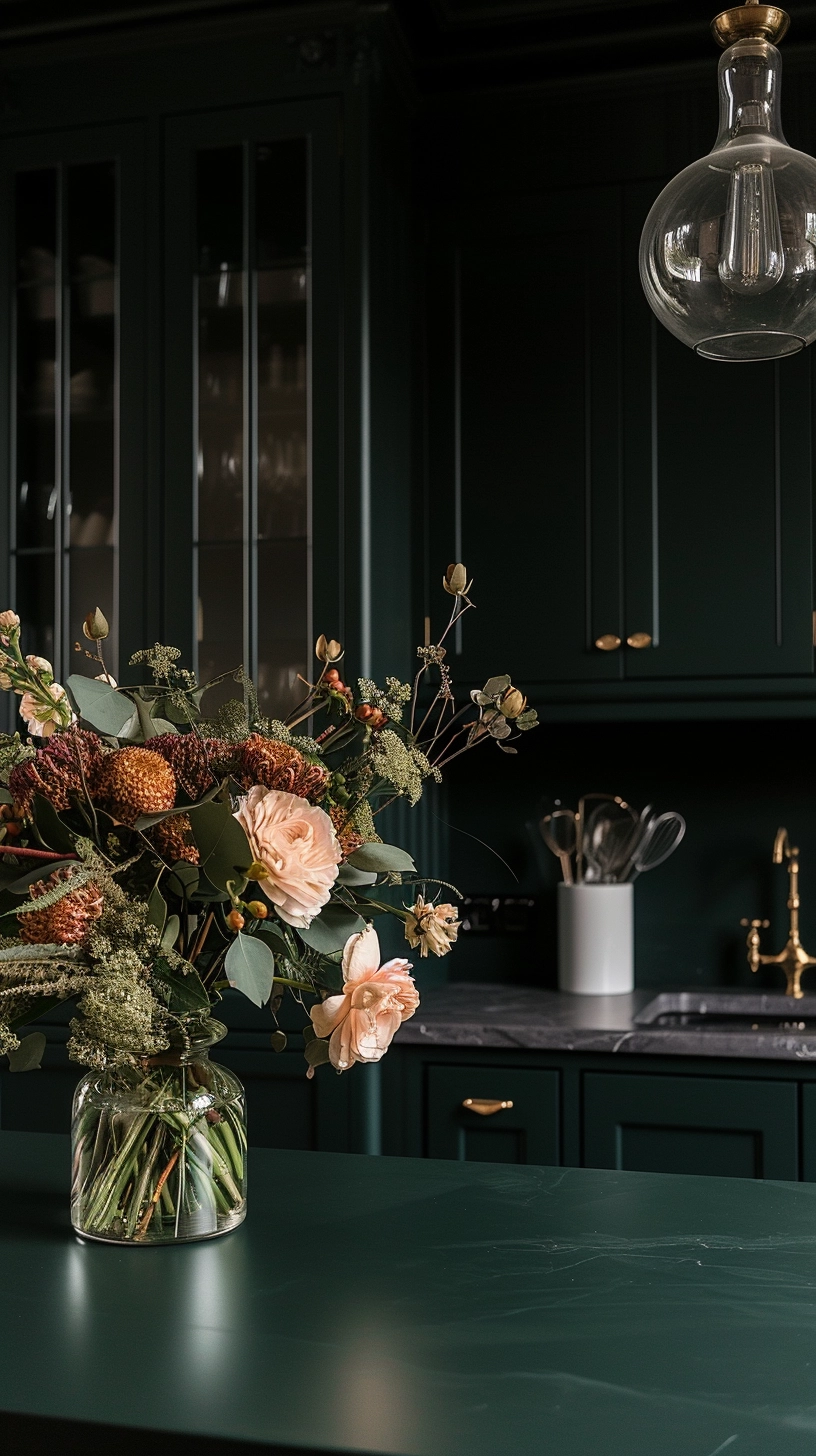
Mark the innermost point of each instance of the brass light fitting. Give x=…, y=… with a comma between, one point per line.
x=793, y=959
x=750, y=22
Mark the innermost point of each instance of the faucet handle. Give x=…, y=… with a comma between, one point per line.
x=756, y=924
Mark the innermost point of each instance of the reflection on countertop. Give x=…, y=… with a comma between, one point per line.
x=689, y=1023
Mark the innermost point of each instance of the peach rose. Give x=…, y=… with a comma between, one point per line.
x=375, y=1001
x=297, y=843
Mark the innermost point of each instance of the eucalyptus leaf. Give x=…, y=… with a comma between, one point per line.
x=185, y=993
x=99, y=704
x=381, y=857
x=250, y=968
x=496, y=685
x=222, y=843
x=183, y=879
x=132, y=732
x=171, y=932
x=6, y=796
x=331, y=928
x=41, y=871
x=53, y=833
x=156, y=909
x=29, y=1054
x=308, y=1034
x=317, y=1052
x=349, y=875
x=278, y=1039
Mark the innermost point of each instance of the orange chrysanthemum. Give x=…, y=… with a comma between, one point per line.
x=277, y=766
x=67, y=922
x=134, y=781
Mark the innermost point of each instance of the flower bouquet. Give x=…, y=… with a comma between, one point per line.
x=151, y=856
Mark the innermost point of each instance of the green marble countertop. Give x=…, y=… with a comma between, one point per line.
x=417, y=1308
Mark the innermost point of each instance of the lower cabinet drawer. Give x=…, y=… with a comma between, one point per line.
x=525, y=1130
x=717, y=1125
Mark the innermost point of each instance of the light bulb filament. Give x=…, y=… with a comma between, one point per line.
x=753, y=258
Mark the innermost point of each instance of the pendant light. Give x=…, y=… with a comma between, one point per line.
x=728, y=252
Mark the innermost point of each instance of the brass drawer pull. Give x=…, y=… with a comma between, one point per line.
x=638, y=640
x=486, y=1106
x=608, y=643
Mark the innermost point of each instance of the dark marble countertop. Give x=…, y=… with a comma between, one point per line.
x=684, y=1023
x=415, y=1307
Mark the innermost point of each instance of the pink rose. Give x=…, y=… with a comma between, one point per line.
x=297, y=843
x=375, y=1001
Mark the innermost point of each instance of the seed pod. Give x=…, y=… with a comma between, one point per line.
x=235, y=920
x=95, y=627
x=258, y=870
x=512, y=703
x=455, y=580
x=328, y=650
x=257, y=909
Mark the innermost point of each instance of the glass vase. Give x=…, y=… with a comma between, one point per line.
x=159, y=1151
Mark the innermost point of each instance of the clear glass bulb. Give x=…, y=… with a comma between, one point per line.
x=727, y=255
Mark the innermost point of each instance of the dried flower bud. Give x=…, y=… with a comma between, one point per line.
x=257, y=909
x=512, y=703
x=8, y=621
x=258, y=870
x=328, y=651
x=95, y=626
x=235, y=920
x=455, y=580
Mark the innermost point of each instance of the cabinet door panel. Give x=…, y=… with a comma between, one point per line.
x=527, y=1132
x=40, y=1101
x=703, y=1125
x=718, y=504
x=535, y=410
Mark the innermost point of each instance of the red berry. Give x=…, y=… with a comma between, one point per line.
x=235, y=920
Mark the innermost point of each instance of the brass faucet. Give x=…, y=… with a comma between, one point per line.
x=794, y=959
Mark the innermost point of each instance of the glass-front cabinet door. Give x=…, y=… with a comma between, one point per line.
x=63, y=374
x=251, y=316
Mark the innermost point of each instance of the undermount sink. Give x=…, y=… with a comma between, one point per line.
x=728, y=1011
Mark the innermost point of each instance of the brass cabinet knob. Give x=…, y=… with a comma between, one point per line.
x=486, y=1106
x=638, y=640
x=608, y=643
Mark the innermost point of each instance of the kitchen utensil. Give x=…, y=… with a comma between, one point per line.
x=559, y=832
x=659, y=839
x=581, y=822
x=609, y=840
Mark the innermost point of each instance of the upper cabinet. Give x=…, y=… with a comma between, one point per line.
x=205, y=404
x=639, y=521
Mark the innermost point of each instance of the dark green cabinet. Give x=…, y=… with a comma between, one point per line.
x=516, y=1120
x=650, y=512
x=657, y=1124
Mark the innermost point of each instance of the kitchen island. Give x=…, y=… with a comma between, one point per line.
x=401, y=1306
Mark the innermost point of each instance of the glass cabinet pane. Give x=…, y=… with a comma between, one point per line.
x=252, y=331
x=65, y=465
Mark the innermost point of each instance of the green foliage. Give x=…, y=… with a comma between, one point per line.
x=29, y=1054
x=184, y=994
x=330, y=930
x=381, y=857
x=250, y=968
x=50, y=828
x=99, y=705
x=222, y=843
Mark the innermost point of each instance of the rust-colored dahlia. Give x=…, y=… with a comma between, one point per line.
x=198, y=763
x=59, y=769
x=134, y=781
x=174, y=840
x=69, y=920
x=277, y=766
x=345, y=831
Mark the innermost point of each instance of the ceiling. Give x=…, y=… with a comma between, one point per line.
x=456, y=44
